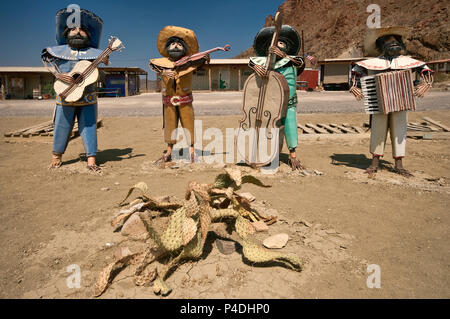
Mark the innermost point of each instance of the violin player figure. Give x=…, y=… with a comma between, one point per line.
x=290, y=66
x=75, y=43
x=176, y=43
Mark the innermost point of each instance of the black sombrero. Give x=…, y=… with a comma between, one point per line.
x=287, y=34
x=88, y=20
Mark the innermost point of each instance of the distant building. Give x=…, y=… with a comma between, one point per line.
x=335, y=74
x=222, y=75
x=231, y=74
x=121, y=81
x=440, y=66
x=26, y=82
x=37, y=82
x=308, y=80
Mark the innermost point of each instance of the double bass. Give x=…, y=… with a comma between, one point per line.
x=260, y=134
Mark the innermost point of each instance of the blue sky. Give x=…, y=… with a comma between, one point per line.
x=29, y=26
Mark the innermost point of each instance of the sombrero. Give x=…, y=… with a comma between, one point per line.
x=288, y=34
x=373, y=35
x=88, y=20
x=187, y=35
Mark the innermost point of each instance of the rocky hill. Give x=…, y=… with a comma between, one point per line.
x=336, y=28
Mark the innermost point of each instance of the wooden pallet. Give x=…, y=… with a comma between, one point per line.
x=343, y=128
x=438, y=124
x=316, y=128
x=322, y=128
x=43, y=129
x=428, y=125
x=330, y=129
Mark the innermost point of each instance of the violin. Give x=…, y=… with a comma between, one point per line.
x=265, y=103
x=200, y=55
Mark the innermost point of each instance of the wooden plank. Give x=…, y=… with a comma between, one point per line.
x=305, y=129
x=28, y=130
x=39, y=127
x=418, y=127
x=435, y=135
x=356, y=128
x=316, y=128
x=43, y=129
x=429, y=127
x=415, y=128
x=329, y=128
x=342, y=128
x=442, y=126
x=35, y=127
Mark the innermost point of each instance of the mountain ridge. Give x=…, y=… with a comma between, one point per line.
x=336, y=29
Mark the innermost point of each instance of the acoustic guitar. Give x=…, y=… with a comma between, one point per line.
x=84, y=74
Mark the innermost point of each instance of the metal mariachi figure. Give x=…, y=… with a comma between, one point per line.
x=290, y=66
x=75, y=43
x=386, y=44
x=176, y=43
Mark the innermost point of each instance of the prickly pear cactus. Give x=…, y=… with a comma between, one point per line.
x=188, y=226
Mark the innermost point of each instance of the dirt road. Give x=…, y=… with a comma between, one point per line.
x=338, y=223
x=214, y=103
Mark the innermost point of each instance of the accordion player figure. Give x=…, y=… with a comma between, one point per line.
x=388, y=91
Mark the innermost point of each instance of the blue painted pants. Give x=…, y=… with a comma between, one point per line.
x=87, y=126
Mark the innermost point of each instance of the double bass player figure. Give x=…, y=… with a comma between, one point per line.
x=274, y=82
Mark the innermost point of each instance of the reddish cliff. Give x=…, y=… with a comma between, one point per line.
x=336, y=28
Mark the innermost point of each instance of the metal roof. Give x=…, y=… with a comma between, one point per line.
x=229, y=61
x=41, y=69
x=19, y=69
x=122, y=69
x=343, y=60
x=439, y=61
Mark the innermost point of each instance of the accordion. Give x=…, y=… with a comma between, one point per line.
x=388, y=92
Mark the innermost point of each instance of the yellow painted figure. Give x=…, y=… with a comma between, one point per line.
x=174, y=43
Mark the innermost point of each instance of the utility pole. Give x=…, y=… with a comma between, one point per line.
x=303, y=44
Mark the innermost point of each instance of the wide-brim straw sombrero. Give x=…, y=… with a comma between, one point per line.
x=373, y=35
x=187, y=35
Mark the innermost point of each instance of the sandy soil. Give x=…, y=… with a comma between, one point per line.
x=338, y=222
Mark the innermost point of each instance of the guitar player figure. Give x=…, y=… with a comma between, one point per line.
x=75, y=43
